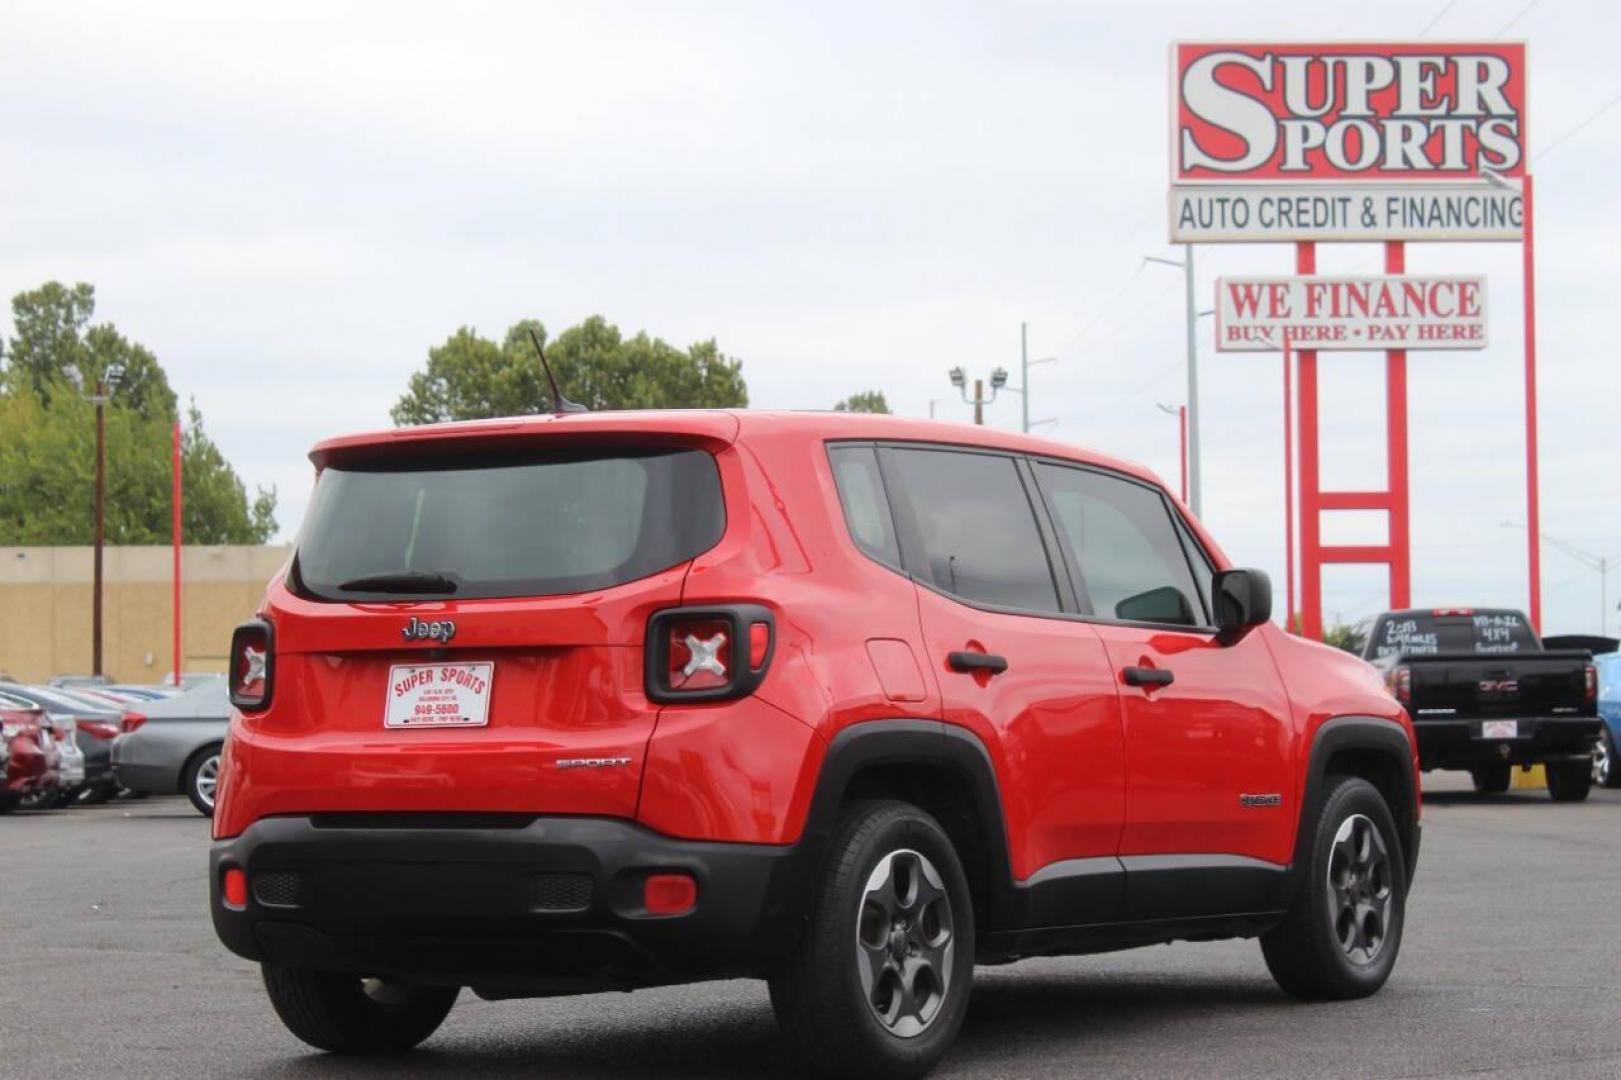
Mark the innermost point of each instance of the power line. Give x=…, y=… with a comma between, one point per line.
x=1526, y=10
x=1439, y=15
x=1606, y=107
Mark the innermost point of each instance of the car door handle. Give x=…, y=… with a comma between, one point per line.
x=977, y=661
x=1148, y=676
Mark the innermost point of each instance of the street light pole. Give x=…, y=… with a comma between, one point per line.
x=979, y=402
x=101, y=513
x=959, y=379
x=1186, y=266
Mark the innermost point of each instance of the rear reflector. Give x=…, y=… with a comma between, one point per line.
x=670, y=894
x=234, y=887
x=759, y=644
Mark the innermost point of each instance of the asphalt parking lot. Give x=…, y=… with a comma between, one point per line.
x=1511, y=966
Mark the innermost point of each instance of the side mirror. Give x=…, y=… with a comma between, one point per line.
x=1243, y=599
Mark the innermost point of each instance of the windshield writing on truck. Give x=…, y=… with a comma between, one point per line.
x=1483, y=632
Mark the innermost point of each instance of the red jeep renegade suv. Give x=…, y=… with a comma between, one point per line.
x=572, y=703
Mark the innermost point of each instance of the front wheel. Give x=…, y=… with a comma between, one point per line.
x=1340, y=937
x=43, y=797
x=349, y=1014
x=1569, y=781
x=878, y=983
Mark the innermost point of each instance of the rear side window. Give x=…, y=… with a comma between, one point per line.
x=532, y=525
x=975, y=525
x=1120, y=538
x=1420, y=633
x=866, y=511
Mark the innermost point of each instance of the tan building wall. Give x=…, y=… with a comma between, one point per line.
x=45, y=599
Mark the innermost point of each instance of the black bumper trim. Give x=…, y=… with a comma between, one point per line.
x=479, y=905
x=1459, y=743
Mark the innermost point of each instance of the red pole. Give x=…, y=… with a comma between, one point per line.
x=1401, y=567
x=1533, y=510
x=1311, y=558
x=1288, y=485
x=1182, y=421
x=177, y=541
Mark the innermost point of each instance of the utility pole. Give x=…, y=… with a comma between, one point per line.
x=1023, y=389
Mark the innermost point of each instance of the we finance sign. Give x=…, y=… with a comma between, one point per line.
x=1388, y=312
x=1347, y=142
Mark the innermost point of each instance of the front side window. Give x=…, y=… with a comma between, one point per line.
x=515, y=525
x=975, y=526
x=1120, y=539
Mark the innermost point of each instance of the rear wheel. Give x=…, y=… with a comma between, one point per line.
x=97, y=794
x=1492, y=778
x=1569, y=781
x=349, y=1014
x=41, y=798
x=1605, y=773
x=1341, y=935
x=878, y=984
x=200, y=779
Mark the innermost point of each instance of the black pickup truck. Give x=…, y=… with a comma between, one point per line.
x=1484, y=695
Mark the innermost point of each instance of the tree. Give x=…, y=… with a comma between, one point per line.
x=471, y=377
x=868, y=401
x=48, y=435
x=1350, y=637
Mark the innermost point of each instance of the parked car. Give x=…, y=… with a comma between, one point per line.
x=1606, y=770
x=90, y=724
x=1485, y=695
x=174, y=745
x=63, y=681
x=849, y=703
x=32, y=762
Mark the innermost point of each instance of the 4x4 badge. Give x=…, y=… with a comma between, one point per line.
x=417, y=630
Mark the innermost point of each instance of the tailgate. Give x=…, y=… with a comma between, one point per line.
x=1523, y=684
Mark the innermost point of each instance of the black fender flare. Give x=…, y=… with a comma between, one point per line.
x=877, y=743
x=1368, y=734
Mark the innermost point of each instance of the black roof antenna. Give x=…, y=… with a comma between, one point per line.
x=560, y=404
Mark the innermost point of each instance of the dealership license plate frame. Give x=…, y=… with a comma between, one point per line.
x=452, y=701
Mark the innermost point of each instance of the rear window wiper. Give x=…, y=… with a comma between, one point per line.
x=401, y=581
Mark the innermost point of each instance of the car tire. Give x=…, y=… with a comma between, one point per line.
x=1492, y=778
x=349, y=1014
x=200, y=778
x=1341, y=935
x=96, y=794
x=41, y=798
x=878, y=984
x=1605, y=773
x=1569, y=781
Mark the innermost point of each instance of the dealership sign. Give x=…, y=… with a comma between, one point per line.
x=1300, y=142
x=1403, y=312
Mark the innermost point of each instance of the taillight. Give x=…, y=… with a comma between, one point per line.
x=1591, y=684
x=252, y=676
x=101, y=729
x=708, y=654
x=1401, y=684
x=65, y=729
x=131, y=720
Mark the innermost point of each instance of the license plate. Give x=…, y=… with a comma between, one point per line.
x=1500, y=729
x=438, y=695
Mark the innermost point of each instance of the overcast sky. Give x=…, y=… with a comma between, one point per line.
x=290, y=203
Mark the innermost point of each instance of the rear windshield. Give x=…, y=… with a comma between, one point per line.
x=1478, y=632
x=512, y=526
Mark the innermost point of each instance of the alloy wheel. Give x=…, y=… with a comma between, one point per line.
x=208, y=778
x=1359, y=892
x=905, y=942
x=1603, y=761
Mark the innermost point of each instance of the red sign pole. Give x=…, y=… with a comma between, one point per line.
x=1311, y=506
x=177, y=540
x=1288, y=487
x=1533, y=509
x=1401, y=571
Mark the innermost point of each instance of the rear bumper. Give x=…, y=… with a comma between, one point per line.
x=1458, y=744
x=508, y=904
x=151, y=779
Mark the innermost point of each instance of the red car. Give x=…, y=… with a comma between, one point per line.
x=30, y=773
x=848, y=703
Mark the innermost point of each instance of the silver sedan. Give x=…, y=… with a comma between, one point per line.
x=176, y=748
